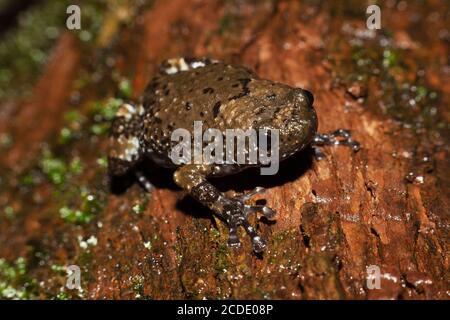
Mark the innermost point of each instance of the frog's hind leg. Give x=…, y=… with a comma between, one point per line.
x=337, y=137
x=233, y=210
x=172, y=66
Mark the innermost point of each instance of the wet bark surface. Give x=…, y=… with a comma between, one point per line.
x=385, y=206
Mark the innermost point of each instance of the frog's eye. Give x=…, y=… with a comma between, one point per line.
x=309, y=96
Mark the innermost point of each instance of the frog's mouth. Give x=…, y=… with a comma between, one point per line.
x=311, y=116
x=309, y=96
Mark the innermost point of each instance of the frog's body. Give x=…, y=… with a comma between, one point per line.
x=222, y=97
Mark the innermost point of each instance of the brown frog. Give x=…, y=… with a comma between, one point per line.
x=221, y=96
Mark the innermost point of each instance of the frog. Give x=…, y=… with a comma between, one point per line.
x=222, y=96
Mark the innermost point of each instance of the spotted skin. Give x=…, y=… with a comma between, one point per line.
x=223, y=97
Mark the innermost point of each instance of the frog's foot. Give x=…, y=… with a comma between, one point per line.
x=236, y=213
x=143, y=181
x=337, y=137
x=233, y=210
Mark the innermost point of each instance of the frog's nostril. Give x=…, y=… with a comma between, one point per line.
x=309, y=96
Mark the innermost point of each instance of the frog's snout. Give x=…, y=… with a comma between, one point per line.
x=309, y=96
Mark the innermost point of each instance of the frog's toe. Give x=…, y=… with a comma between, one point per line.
x=237, y=213
x=266, y=211
x=240, y=217
x=258, y=243
x=319, y=153
x=144, y=181
x=247, y=196
x=233, y=238
x=341, y=137
x=354, y=145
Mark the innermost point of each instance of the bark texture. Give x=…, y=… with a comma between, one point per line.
x=386, y=206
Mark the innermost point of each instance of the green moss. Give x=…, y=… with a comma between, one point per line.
x=138, y=287
x=215, y=234
x=29, y=179
x=99, y=128
x=75, y=166
x=61, y=296
x=138, y=208
x=389, y=58
x=89, y=208
x=221, y=259
x=73, y=123
x=102, y=162
x=125, y=89
x=54, y=168
x=74, y=216
x=9, y=212
x=73, y=118
x=59, y=269
x=15, y=283
x=57, y=170
x=24, y=50
x=65, y=135
x=102, y=114
x=221, y=254
x=106, y=111
x=413, y=103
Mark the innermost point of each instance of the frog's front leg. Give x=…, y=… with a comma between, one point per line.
x=233, y=210
x=337, y=137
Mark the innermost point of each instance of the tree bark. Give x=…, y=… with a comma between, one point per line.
x=386, y=206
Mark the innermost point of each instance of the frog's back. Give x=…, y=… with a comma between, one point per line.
x=219, y=96
x=177, y=100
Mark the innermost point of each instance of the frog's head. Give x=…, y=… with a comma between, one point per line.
x=291, y=112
